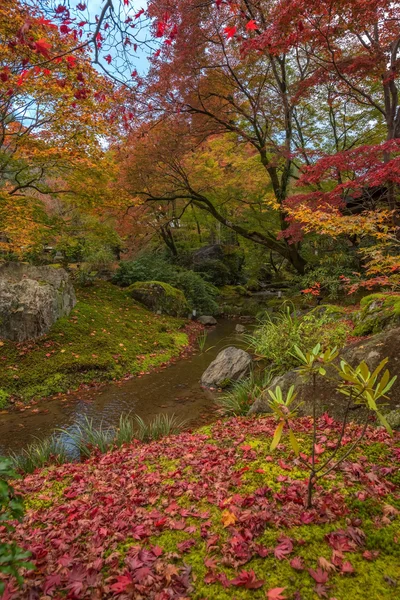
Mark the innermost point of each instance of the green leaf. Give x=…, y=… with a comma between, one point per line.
x=277, y=436
x=294, y=443
x=384, y=422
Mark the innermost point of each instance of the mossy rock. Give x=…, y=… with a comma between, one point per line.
x=160, y=297
x=329, y=310
x=231, y=291
x=378, y=312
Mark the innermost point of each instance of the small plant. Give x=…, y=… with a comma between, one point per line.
x=38, y=454
x=12, y=558
x=126, y=431
x=201, y=339
x=238, y=399
x=162, y=425
x=278, y=336
x=361, y=387
x=86, y=438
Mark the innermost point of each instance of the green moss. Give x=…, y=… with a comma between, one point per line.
x=47, y=496
x=378, y=311
x=106, y=336
x=160, y=296
x=4, y=396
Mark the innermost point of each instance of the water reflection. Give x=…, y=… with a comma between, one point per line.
x=174, y=390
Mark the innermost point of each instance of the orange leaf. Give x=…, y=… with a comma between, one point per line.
x=228, y=518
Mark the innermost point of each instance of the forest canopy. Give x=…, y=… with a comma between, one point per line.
x=277, y=123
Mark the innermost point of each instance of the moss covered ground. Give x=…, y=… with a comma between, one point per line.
x=213, y=515
x=107, y=336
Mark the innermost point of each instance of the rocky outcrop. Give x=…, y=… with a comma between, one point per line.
x=372, y=350
x=160, y=297
x=32, y=299
x=230, y=365
x=207, y=320
x=378, y=312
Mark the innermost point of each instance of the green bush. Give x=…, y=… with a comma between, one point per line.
x=275, y=340
x=148, y=267
x=12, y=558
x=215, y=271
x=199, y=293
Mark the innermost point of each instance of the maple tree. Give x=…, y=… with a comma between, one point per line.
x=52, y=111
x=354, y=48
x=174, y=171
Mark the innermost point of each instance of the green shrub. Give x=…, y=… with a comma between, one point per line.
x=329, y=277
x=215, y=271
x=149, y=267
x=12, y=558
x=199, y=293
x=275, y=340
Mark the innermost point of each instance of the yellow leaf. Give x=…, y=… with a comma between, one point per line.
x=228, y=518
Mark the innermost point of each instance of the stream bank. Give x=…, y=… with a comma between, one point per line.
x=173, y=390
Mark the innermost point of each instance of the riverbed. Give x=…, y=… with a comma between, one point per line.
x=173, y=390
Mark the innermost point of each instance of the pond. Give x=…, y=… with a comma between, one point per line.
x=173, y=390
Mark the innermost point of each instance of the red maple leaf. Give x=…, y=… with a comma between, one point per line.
x=230, y=32
x=248, y=580
x=252, y=26
x=319, y=576
x=297, y=563
x=122, y=583
x=42, y=47
x=276, y=594
x=283, y=549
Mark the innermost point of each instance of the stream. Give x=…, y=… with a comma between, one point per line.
x=173, y=390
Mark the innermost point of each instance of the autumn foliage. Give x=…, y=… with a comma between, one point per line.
x=213, y=515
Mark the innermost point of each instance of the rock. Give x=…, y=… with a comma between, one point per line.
x=393, y=418
x=372, y=350
x=207, y=320
x=32, y=299
x=160, y=297
x=230, y=365
x=212, y=252
x=240, y=328
x=378, y=312
x=222, y=263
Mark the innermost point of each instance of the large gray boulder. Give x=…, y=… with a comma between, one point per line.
x=372, y=350
x=230, y=365
x=32, y=299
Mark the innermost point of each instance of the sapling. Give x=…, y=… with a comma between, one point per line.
x=361, y=387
